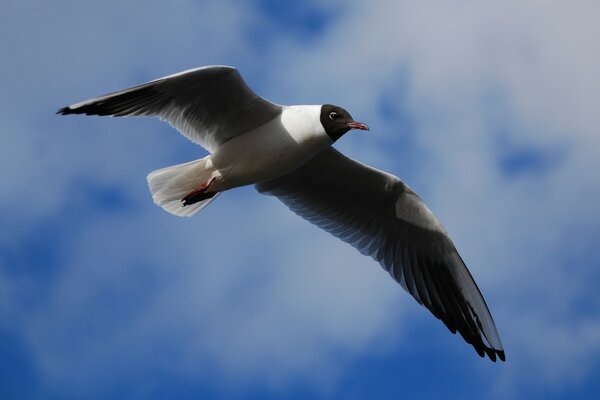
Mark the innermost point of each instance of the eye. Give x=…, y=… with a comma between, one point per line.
x=333, y=115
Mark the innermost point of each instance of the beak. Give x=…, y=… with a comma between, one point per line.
x=358, y=125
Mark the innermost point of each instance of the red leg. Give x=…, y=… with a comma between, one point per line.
x=198, y=194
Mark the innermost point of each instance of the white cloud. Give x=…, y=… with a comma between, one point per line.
x=262, y=309
x=536, y=62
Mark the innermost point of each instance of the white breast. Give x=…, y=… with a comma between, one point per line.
x=271, y=150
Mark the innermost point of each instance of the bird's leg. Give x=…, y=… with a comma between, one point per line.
x=198, y=194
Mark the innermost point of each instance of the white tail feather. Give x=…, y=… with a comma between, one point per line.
x=169, y=185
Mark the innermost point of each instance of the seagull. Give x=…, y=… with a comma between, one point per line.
x=286, y=151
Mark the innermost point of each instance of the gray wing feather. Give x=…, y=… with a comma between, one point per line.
x=209, y=105
x=383, y=218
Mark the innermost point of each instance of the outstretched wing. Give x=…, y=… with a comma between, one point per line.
x=383, y=218
x=209, y=105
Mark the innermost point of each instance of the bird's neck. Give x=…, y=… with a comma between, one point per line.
x=303, y=123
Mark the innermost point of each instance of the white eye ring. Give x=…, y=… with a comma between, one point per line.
x=333, y=115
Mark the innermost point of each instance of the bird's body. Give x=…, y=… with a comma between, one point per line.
x=286, y=151
x=275, y=148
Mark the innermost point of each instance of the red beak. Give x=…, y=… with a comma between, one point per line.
x=358, y=125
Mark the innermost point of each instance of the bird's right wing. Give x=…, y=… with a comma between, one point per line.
x=209, y=105
x=383, y=218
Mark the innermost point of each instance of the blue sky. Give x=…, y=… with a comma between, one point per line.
x=489, y=111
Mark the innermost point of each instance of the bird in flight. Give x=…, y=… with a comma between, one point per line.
x=285, y=151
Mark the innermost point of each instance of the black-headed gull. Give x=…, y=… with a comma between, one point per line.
x=286, y=151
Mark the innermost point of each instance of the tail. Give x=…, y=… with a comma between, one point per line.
x=170, y=185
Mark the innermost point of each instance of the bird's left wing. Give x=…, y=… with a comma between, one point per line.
x=383, y=218
x=209, y=105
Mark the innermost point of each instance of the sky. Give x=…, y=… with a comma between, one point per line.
x=488, y=110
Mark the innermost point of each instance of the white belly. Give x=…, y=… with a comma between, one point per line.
x=264, y=153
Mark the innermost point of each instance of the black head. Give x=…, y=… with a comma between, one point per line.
x=336, y=121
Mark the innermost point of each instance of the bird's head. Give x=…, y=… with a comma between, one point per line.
x=336, y=121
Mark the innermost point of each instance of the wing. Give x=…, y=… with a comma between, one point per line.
x=383, y=218
x=209, y=105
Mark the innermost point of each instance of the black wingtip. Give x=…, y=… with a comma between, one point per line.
x=493, y=354
x=65, y=111
x=501, y=355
